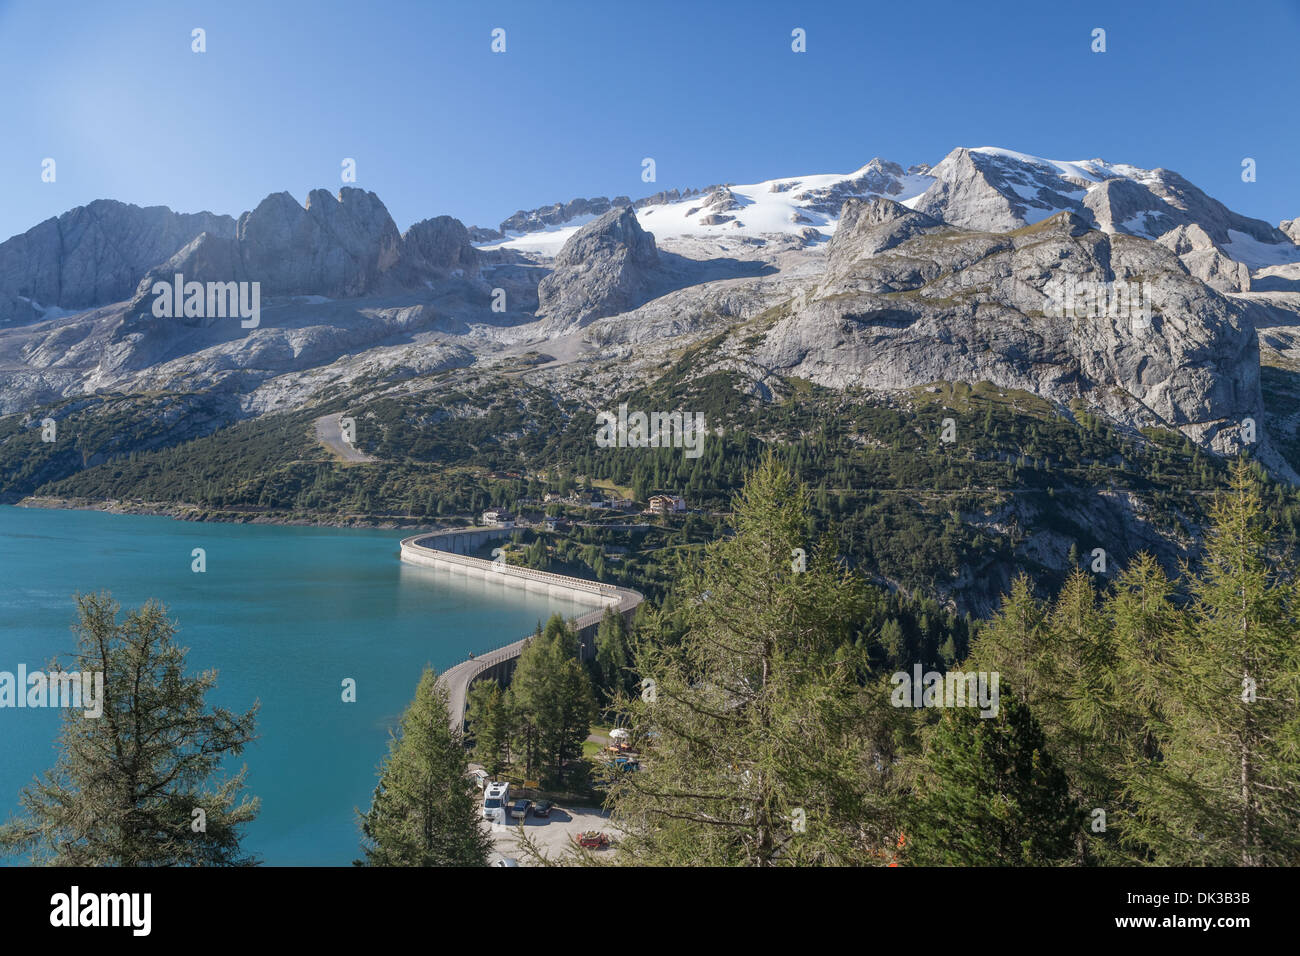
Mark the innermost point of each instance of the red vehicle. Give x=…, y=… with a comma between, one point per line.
x=592, y=840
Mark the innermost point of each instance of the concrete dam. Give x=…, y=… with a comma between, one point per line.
x=449, y=551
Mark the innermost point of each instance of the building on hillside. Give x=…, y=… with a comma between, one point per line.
x=667, y=504
x=498, y=518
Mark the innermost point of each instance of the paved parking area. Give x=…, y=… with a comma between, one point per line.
x=553, y=835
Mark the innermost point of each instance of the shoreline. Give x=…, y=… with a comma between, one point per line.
x=199, y=515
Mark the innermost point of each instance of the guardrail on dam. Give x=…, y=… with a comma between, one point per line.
x=449, y=551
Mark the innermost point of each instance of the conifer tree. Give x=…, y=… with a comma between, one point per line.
x=1143, y=621
x=761, y=747
x=551, y=697
x=613, y=654
x=1013, y=642
x=490, y=720
x=423, y=812
x=990, y=794
x=1226, y=787
x=137, y=785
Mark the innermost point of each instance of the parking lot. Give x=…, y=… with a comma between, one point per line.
x=553, y=835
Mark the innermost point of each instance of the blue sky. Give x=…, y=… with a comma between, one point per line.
x=439, y=124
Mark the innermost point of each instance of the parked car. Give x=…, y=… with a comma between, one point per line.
x=505, y=861
x=592, y=840
x=520, y=809
x=542, y=808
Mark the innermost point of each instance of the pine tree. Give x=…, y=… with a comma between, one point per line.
x=1143, y=622
x=1012, y=643
x=613, y=655
x=489, y=718
x=1226, y=789
x=551, y=696
x=423, y=812
x=990, y=794
x=1061, y=659
x=761, y=747
x=135, y=786
x=1073, y=706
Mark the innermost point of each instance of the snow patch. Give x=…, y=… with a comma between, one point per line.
x=1257, y=254
x=772, y=207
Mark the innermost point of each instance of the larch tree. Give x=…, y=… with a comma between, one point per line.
x=1225, y=789
x=423, y=812
x=760, y=746
x=139, y=785
x=991, y=794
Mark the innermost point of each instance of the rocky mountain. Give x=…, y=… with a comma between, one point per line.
x=607, y=267
x=438, y=248
x=896, y=295
x=1203, y=258
x=885, y=278
x=982, y=188
x=805, y=208
x=906, y=301
x=997, y=190
x=535, y=220
x=339, y=247
x=869, y=227
x=92, y=255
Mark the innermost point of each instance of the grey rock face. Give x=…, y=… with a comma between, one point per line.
x=1202, y=257
x=92, y=255
x=1122, y=205
x=606, y=267
x=879, y=177
x=535, y=220
x=664, y=196
x=953, y=305
x=332, y=247
x=441, y=247
x=721, y=200
x=338, y=248
x=1210, y=214
x=1291, y=227
x=976, y=191
x=869, y=226
x=997, y=193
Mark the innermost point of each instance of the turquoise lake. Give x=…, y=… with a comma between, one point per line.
x=284, y=614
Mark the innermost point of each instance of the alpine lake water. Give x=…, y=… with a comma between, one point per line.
x=285, y=615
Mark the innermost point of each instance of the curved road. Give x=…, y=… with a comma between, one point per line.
x=329, y=432
x=458, y=678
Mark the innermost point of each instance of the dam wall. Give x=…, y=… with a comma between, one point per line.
x=449, y=552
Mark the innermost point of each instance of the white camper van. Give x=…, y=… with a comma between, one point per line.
x=496, y=802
